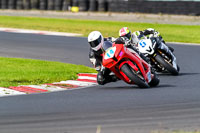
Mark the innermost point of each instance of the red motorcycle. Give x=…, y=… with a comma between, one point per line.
x=128, y=65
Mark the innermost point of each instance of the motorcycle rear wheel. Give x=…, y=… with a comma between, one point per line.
x=127, y=70
x=155, y=80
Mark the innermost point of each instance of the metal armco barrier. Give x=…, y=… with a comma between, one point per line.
x=142, y=6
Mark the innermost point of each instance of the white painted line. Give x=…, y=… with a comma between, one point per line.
x=47, y=87
x=7, y=92
x=182, y=43
x=51, y=88
x=14, y=30
x=79, y=83
x=86, y=77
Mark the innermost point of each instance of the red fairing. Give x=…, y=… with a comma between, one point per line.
x=121, y=56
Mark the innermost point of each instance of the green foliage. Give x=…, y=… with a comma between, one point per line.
x=170, y=32
x=16, y=71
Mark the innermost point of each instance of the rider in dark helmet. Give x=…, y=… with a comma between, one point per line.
x=125, y=34
x=148, y=33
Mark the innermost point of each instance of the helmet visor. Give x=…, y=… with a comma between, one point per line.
x=128, y=36
x=96, y=42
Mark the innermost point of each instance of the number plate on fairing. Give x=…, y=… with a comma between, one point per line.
x=146, y=47
x=110, y=53
x=149, y=76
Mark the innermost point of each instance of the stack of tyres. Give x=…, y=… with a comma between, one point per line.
x=19, y=4
x=83, y=5
x=34, y=4
x=43, y=4
x=27, y=4
x=58, y=4
x=92, y=5
x=50, y=4
x=66, y=4
x=4, y=4
x=12, y=4
x=75, y=2
x=102, y=5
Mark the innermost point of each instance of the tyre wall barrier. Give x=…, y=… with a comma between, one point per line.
x=187, y=7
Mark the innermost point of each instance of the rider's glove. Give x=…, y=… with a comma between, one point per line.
x=126, y=41
x=112, y=39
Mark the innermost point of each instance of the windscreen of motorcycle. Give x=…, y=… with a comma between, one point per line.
x=110, y=53
x=106, y=45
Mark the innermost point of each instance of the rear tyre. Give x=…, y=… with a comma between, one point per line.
x=155, y=80
x=127, y=70
x=166, y=65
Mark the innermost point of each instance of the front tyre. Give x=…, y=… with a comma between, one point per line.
x=166, y=65
x=127, y=70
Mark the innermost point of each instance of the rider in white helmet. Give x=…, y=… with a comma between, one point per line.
x=96, y=40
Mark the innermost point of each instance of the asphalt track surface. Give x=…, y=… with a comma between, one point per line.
x=113, y=108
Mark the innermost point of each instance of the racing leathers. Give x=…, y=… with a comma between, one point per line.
x=104, y=74
x=148, y=33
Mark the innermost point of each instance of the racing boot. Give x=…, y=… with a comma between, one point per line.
x=100, y=79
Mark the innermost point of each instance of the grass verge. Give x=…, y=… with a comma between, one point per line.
x=17, y=71
x=170, y=32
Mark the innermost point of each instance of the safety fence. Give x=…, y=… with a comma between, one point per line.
x=191, y=7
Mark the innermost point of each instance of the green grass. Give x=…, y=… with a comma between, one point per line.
x=170, y=32
x=16, y=71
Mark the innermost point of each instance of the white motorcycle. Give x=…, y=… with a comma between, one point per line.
x=158, y=58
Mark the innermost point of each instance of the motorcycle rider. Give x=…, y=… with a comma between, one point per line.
x=148, y=33
x=96, y=41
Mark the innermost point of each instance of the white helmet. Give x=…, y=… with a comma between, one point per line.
x=96, y=40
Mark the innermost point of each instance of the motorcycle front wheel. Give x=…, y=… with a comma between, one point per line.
x=130, y=73
x=166, y=65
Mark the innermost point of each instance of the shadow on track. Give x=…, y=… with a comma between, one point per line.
x=134, y=87
x=180, y=74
